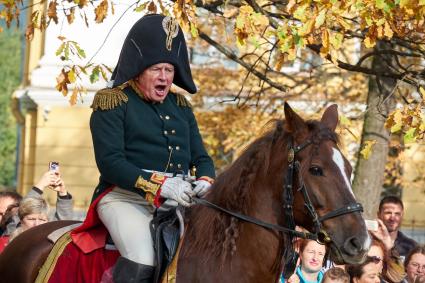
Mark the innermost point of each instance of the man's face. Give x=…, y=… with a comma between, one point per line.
x=155, y=82
x=392, y=215
x=312, y=257
x=5, y=202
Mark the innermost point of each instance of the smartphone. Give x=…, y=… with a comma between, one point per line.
x=54, y=166
x=372, y=225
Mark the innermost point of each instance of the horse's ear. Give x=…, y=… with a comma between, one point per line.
x=330, y=117
x=293, y=121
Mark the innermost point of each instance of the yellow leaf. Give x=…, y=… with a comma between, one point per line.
x=101, y=11
x=307, y=27
x=388, y=31
x=292, y=54
x=367, y=149
x=369, y=42
x=325, y=38
x=422, y=91
x=74, y=97
x=404, y=3
x=71, y=76
x=397, y=121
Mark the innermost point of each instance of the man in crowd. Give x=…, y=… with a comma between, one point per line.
x=8, y=201
x=391, y=212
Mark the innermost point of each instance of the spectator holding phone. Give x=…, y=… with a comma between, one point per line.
x=36, y=208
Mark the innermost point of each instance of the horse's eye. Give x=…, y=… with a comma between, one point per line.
x=316, y=171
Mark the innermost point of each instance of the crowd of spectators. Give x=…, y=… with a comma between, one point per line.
x=18, y=214
x=392, y=257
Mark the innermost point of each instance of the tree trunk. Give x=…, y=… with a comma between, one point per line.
x=369, y=173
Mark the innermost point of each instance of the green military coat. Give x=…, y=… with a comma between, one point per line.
x=130, y=134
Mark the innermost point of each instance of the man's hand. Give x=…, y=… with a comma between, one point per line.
x=383, y=235
x=294, y=278
x=201, y=187
x=177, y=189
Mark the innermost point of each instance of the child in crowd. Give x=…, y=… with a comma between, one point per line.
x=336, y=275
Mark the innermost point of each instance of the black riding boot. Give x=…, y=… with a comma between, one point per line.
x=127, y=271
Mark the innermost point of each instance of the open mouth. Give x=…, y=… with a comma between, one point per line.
x=160, y=89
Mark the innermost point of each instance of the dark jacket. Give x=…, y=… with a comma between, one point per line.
x=138, y=134
x=404, y=244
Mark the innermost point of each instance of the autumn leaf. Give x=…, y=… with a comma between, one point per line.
x=101, y=11
x=367, y=149
x=388, y=31
x=71, y=16
x=410, y=136
x=52, y=12
x=397, y=118
x=369, y=42
x=62, y=82
x=74, y=97
x=152, y=7
x=320, y=19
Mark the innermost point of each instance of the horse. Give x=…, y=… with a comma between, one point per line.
x=294, y=174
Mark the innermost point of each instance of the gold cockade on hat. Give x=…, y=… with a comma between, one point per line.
x=171, y=28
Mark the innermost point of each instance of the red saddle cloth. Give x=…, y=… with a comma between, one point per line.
x=74, y=266
x=82, y=257
x=4, y=240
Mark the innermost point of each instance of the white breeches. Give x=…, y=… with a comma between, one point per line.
x=126, y=215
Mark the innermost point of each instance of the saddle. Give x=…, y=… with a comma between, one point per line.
x=165, y=230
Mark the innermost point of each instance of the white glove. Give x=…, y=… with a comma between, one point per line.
x=201, y=187
x=177, y=189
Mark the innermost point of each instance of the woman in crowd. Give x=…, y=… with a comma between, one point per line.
x=33, y=209
x=415, y=265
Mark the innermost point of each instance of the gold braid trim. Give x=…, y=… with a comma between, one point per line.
x=133, y=85
x=49, y=265
x=182, y=101
x=108, y=98
x=147, y=186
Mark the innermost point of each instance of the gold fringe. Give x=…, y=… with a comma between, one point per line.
x=182, y=101
x=108, y=98
x=49, y=265
x=133, y=85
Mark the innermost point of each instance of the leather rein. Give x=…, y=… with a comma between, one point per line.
x=319, y=234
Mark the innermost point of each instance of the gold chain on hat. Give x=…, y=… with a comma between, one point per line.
x=171, y=28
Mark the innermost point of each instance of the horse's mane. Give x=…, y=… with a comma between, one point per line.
x=233, y=189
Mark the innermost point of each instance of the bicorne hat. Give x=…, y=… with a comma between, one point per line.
x=154, y=39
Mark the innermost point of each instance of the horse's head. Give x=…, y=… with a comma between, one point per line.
x=324, y=174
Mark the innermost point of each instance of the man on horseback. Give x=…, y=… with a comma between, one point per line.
x=146, y=140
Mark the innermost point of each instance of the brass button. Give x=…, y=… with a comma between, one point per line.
x=165, y=132
x=173, y=131
x=170, y=147
x=167, y=117
x=177, y=147
x=179, y=166
x=171, y=165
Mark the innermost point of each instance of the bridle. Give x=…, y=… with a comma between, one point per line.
x=319, y=234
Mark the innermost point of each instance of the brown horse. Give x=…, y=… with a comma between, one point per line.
x=218, y=247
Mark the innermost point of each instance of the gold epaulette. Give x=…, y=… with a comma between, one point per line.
x=182, y=100
x=108, y=98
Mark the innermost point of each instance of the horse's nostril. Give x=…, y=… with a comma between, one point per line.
x=352, y=246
